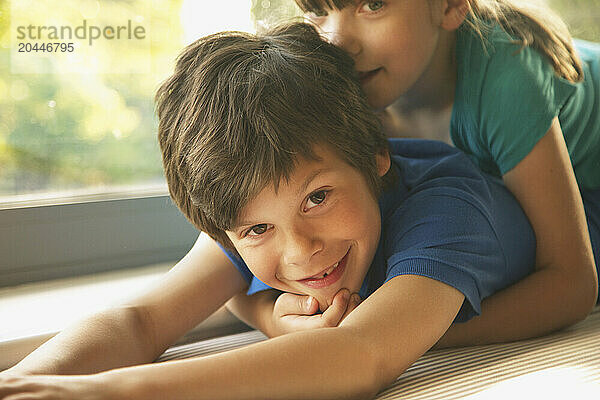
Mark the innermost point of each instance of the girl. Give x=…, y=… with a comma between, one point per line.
x=521, y=100
x=270, y=148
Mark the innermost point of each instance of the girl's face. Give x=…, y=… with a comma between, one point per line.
x=317, y=233
x=392, y=43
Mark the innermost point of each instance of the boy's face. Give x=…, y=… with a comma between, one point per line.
x=317, y=234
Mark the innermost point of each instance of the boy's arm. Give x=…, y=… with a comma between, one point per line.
x=564, y=287
x=561, y=291
x=105, y=340
x=256, y=310
x=373, y=345
x=139, y=330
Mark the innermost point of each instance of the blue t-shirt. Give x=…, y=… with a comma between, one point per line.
x=444, y=219
x=506, y=98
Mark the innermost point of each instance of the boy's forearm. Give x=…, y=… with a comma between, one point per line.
x=321, y=364
x=107, y=340
x=539, y=304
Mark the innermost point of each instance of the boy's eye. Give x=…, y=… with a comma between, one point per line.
x=257, y=230
x=316, y=198
x=372, y=5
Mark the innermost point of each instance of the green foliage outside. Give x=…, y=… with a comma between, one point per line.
x=63, y=131
x=60, y=131
x=267, y=12
x=582, y=17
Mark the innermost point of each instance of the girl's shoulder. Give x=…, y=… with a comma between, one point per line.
x=503, y=89
x=497, y=70
x=496, y=54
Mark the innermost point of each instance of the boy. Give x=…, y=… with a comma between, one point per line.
x=270, y=148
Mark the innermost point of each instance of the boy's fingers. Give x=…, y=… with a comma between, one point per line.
x=333, y=315
x=310, y=304
x=293, y=317
x=293, y=304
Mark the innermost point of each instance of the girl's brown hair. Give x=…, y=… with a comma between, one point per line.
x=530, y=23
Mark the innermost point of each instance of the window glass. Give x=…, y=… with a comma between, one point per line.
x=582, y=17
x=77, y=79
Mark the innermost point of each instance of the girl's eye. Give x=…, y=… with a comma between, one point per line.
x=371, y=6
x=257, y=230
x=316, y=198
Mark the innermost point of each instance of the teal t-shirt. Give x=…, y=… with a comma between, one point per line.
x=506, y=98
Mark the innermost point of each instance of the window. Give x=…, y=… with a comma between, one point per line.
x=77, y=114
x=582, y=17
x=81, y=184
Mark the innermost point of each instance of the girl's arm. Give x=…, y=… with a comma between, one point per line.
x=371, y=347
x=139, y=330
x=564, y=288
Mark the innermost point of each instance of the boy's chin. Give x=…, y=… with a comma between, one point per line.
x=325, y=300
x=324, y=305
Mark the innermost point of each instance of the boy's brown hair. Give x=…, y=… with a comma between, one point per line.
x=240, y=109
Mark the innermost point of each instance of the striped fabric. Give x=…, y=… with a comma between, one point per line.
x=565, y=364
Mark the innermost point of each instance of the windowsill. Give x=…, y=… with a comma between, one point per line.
x=86, y=195
x=33, y=313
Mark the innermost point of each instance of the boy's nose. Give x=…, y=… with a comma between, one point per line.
x=300, y=247
x=338, y=30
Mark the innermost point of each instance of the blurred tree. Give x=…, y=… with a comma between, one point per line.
x=582, y=17
x=64, y=130
x=268, y=12
x=61, y=131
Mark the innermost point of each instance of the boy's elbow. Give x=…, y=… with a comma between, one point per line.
x=591, y=296
x=584, y=292
x=365, y=379
x=369, y=371
x=372, y=383
x=380, y=372
x=364, y=390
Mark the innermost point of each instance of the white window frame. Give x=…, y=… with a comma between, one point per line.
x=51, y=239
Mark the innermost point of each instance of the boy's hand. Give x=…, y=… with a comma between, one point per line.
x=292, y=313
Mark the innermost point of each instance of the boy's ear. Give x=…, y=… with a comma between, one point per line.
x=383, y=162
x=455, y=12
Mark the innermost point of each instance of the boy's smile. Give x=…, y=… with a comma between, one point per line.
x=328, y=277
x=315, y=234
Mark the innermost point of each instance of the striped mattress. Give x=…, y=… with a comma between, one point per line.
x=562, y=365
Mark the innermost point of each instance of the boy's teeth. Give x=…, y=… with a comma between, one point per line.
x=330, y=270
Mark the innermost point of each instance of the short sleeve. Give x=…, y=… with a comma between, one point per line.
x=520, y=96
x=441, y=234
